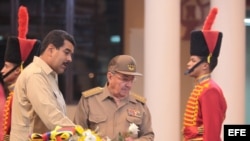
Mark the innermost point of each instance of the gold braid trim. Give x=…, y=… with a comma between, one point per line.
x=7, y=112
x=192, y=108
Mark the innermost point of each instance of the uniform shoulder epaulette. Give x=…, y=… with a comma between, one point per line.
x=139, y=98
x=92, y=91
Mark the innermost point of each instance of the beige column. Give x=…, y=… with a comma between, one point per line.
x=230, y=72
x=162, y=66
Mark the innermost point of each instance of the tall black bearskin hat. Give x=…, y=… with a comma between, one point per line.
x=20, y=50
x=2, y=51
x=206, y=43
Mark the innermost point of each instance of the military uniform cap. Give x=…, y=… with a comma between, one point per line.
x=206, y=42
x=20, y=50
x=124, y=64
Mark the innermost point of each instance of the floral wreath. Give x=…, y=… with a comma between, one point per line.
x=77, y=133
x=70, y=133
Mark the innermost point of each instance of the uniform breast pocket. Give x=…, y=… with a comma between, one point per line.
x=135, y=120
x=96, y=120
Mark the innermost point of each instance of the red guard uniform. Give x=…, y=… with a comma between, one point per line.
x=206, y=108
x=19, y=51
x=2, y=102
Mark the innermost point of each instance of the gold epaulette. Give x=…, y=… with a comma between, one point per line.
x=92, y=91
x=139, y=98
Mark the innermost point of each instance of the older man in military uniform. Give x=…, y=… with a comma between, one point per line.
x=112, y=110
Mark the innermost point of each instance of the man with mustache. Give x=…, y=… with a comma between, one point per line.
x=38, y=105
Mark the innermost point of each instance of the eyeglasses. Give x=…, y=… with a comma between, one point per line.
x=124, y=78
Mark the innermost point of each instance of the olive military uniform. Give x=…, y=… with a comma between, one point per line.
x=97, y=110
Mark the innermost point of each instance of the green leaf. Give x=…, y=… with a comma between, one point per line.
x=120, y=137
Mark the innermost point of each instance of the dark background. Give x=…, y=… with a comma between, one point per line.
x=93, y=23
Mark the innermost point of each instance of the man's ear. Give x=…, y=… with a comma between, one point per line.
x=109, y=75
x=205, y=66
x=50, y=49
x=17, y=71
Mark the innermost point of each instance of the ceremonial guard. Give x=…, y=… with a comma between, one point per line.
x=18, y=54
x=206, y=106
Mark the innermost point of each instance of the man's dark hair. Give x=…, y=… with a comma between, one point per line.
x=56, y=37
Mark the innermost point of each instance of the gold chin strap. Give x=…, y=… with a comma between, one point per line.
x=209, y=58
x=21, y=66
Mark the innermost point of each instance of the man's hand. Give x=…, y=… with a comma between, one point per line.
x=193, y=131
x=200, y=130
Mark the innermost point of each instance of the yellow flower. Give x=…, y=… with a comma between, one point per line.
x=74, y=133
